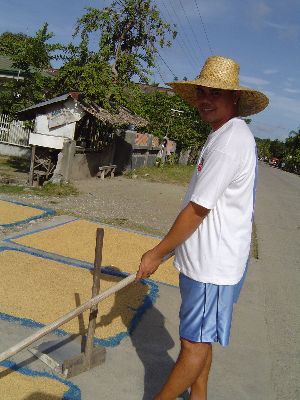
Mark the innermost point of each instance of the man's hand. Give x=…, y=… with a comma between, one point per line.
x=150, y=261
x=185, y=224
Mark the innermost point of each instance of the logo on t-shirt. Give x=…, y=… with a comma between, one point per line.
x=200, y=165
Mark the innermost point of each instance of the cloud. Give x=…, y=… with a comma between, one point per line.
x=291, y=106
x=268, y=128
x=292, y=90
x=262, y=9
x=275, y=16
x=256, y=13
x=284, y=106
x=253, y=80
x=290, y=31
x=264, y=130
x=270, y=71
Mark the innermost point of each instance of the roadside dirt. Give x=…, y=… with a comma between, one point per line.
x=131, y=203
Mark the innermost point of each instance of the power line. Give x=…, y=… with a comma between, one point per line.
x=182, y=29
x=182, y=45
x=160, y=73
x=120, y=3
x=203, y=26
x=165, y=63
x=191, y=26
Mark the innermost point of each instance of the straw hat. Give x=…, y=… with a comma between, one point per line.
x=221, y=73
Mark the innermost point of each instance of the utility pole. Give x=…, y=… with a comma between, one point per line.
x=174, y=112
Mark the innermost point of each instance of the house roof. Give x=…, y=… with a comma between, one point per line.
x=146, y=88
x=122, y=117
x=7, y=68
x=30, y=112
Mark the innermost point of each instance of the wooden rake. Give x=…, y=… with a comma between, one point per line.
x=91, y=356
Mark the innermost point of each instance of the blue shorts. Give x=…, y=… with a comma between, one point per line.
x=206, y=310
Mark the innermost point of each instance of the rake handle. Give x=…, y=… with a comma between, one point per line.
x=65, y=318
x=70, y=315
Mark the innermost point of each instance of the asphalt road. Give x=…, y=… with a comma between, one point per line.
x=277, y=217
x=262, y=361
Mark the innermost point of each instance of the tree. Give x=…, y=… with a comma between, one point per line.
x=31, y=55
x=277, y=149
x=129, y=32
x=184, y=127
x=94, y=79
x=292, y=155
x=10, y=42
x=263, y=146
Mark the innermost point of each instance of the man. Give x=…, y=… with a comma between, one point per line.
x=211, y=235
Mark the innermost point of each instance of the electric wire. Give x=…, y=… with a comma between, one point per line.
x=166, y=64
x=180, y=41
x=191, y=27
x=120, y=3
x=191, y=51
x=160, y=73
x=204, y=28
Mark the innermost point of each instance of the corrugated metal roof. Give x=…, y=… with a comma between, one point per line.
x=6, y=65
x=122, y=117
x=43, y=104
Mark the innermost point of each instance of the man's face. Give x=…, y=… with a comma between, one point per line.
x=216, y=106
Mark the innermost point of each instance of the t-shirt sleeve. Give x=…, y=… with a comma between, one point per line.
x=218, y=171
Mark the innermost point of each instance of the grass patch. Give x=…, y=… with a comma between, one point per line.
x=10, y=165
x=254, y=242
x=12, y=189
x=51, y=189
x=179, y=174
x=48, y=190
x=19, y=164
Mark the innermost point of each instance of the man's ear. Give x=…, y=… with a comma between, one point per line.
x=237, y=95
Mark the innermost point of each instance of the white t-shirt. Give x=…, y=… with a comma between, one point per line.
x=223, y=182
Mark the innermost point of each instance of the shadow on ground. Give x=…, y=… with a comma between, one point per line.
x=151, y=341
x=19, y=164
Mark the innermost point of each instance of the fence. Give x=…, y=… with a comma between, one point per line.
x=13, y=131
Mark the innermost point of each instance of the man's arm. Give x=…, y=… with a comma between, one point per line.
x=185, y=224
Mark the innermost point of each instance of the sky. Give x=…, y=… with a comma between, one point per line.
x=262, y=36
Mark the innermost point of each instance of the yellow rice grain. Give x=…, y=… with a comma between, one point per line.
x=121, y=248
x=43, y=290
x=15, y=386
x=11, y=213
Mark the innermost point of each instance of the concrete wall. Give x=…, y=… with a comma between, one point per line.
x=86, y=164
x=12, y=150
x=135, y=150
x=129, y=150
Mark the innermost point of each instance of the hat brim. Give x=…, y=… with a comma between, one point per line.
x=250, y=101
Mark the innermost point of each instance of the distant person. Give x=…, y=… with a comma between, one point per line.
x=162, y=154
x=211, y=235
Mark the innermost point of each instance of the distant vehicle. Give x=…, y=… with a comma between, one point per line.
x=274, y=162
